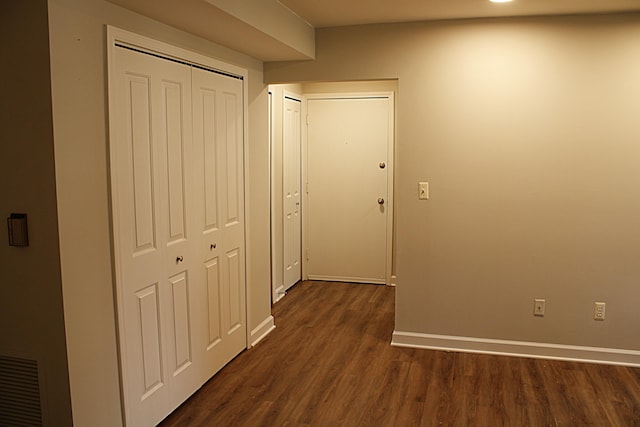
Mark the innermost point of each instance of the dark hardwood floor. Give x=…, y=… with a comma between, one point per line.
x=329, y=363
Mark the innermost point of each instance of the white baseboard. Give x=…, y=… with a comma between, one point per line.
x=262, y=330
x=280, y=293
x=609, y=356
x=365, y=280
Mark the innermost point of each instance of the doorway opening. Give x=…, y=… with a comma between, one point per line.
x=332, y=174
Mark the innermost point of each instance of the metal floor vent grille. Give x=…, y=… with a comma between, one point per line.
x=19, y=392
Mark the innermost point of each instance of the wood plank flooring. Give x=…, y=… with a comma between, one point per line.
x=329, y=363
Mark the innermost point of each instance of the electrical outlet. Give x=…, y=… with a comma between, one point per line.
x=599, y=310
x=538, y=307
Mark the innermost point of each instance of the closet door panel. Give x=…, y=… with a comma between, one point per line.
x=218, y=137
x=181, y=282
x=151, y=146
x=231, y=129
x=207, y=175
x=136, y=202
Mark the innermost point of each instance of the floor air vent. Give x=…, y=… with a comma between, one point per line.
x=19, y=392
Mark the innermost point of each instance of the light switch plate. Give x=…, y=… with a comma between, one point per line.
x=423, y=190
x=538, y=307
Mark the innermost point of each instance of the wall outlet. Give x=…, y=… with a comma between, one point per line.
x=538, y=307
x=599, y=310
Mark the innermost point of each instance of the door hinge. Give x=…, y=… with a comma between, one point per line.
x=307, y=254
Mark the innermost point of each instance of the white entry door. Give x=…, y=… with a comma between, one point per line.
x=348, y=209
x=292, y=197
x=178, y=216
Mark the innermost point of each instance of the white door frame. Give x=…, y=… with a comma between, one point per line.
x=117, y=36
x=272, y=204
x=390, y=171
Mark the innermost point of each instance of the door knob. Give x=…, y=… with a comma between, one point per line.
x=212, y=247
x=179, y=260
x=380, y=201
x=382, y=165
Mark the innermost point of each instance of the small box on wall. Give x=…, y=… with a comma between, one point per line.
x=18, y=230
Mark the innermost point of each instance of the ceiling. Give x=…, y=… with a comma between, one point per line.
x=333, y=13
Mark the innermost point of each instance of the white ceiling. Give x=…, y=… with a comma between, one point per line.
x=333, y=13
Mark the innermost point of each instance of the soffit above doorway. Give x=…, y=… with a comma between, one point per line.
x=335, y=13
x=284, y=30
x=263, y=29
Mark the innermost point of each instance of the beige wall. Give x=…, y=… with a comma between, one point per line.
x=31, y=315
x=78, y=70
x=527, y=130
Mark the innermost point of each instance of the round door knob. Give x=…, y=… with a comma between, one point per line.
x=380, y=201
x=179, y=259
x=212, y=247
x=382, y=165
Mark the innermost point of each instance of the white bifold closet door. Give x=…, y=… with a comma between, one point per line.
x=218, y=147
x=177, y=194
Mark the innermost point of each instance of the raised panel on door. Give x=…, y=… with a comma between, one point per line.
x=218, y=144
x=140, y=193
x=292, y=197
x=177, y=153
x=234, y=303
x=149, y=314
x=181, y=315
x=231, y=144
x=348, y=140
x=214, y=303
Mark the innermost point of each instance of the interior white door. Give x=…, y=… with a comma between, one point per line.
x=154, y=236
x=348, y=142
x=292, y=198
x=218, y=146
